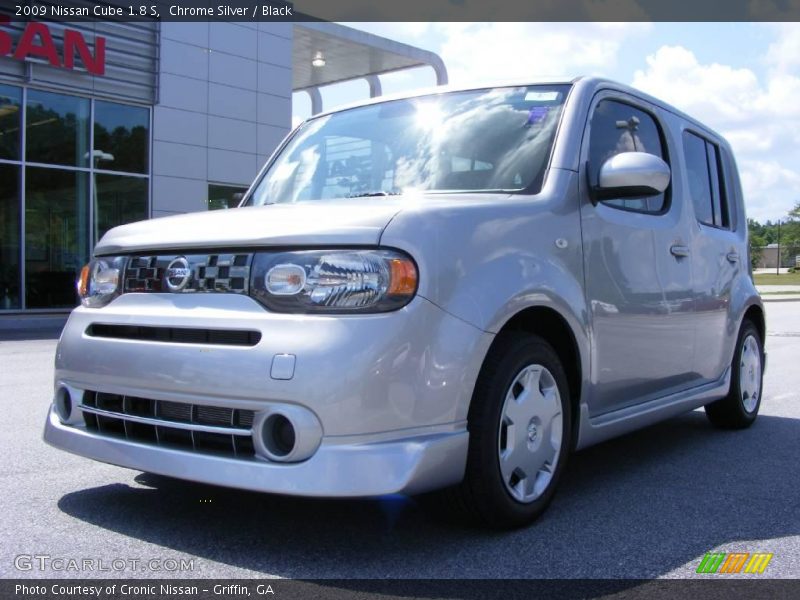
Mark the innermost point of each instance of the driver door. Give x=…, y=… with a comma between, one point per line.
x=639, y=293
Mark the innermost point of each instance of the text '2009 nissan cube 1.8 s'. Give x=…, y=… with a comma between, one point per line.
x=447, y=292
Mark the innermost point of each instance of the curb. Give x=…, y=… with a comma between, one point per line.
x=30, y=322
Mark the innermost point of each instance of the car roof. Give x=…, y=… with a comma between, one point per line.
x=588, y=84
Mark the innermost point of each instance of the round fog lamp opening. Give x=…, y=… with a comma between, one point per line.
x=285, y=280
x=63, y=405
x=279, y=435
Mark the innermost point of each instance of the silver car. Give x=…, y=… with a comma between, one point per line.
x=447, y=292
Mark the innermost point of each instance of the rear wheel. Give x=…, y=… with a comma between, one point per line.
x=740, y=407
x=519, y=424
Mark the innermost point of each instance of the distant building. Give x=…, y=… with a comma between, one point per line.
x=769, y=257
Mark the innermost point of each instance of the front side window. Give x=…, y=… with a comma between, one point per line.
x=486, y=140
x=618, y=127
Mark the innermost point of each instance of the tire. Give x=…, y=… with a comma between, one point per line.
x=739, y=408
x=488, y=495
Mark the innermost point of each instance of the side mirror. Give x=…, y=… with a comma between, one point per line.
x=237, y=197
x=632, y=175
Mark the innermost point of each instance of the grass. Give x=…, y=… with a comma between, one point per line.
x=773, y=279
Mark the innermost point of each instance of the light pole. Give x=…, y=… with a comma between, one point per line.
x=778, y=264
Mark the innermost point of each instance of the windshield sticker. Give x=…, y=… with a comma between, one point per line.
x=537, y=114
x=541, y=96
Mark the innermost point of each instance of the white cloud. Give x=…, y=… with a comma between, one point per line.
x=755, y=107
x=480, y=52
x=759, y=116
x=770, y=189
x=784, y=53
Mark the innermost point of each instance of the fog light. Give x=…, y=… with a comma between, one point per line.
x=279, y=435
x=63, y=404
x=287, y=433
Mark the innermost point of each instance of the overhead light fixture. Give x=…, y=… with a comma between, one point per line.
x=318, y=60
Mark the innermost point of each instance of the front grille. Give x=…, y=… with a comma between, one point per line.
x=178, y=335
x=215, y=430
x=223, y=272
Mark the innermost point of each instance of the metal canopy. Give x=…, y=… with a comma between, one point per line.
x=351, y=54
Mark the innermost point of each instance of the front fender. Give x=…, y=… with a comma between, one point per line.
x=485, y=258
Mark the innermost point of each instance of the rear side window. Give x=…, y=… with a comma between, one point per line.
x=731, y=187
x=619, y=127
x=706, y=182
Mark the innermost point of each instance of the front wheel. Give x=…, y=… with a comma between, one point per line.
x=740, y=407
x=519, y=429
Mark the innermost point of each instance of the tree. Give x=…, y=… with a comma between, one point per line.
x=790, y=237
x=757, y=241
x=795, y=212
x=756, y=250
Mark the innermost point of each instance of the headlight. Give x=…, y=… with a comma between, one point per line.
x=333, y=281
x=100, y=281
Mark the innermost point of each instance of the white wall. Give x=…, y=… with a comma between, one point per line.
x=225, y=103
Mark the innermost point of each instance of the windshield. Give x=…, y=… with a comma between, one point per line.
x=484, y=140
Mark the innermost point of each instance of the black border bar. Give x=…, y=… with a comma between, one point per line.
x=404, y=10
x=706, y=587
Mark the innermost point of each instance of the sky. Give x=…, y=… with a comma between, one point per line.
x=740, y=79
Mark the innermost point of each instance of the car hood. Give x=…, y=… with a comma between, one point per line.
x=356, y=221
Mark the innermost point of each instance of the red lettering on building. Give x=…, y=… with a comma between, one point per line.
x=74, y=41
x=45, y=49
x=37, y=41
x=5, y=39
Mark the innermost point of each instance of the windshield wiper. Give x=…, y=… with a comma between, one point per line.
x=371, y=194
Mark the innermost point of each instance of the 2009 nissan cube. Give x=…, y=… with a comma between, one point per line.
x=449, y=291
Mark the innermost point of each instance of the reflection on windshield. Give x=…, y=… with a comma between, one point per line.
x=498, y=139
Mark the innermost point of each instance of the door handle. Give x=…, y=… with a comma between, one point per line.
x=679, y=251
x=732, y=257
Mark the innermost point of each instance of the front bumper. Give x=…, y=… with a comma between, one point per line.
x=406, y=466
x=390, y=392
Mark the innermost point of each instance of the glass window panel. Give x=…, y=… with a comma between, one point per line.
x=56, y=235
x=730, y=185
x=507, y=133
x=10, y=114
x=224, y=196
x=119, y=200
x=694, y=149
x=57, y=128
x=9, y=237
x=711, y=153
x=618, y=127
x=121, y=137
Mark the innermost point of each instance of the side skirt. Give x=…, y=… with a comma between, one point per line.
x=597, y=429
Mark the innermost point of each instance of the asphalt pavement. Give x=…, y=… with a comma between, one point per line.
x=649, y=504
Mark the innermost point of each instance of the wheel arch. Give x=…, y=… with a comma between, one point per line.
x=555, y=329
x=755, y=313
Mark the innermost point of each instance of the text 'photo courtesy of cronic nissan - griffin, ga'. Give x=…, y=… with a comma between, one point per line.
x=441, y=294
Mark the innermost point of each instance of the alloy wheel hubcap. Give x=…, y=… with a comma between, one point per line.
x=750, y=373
x=531, y=430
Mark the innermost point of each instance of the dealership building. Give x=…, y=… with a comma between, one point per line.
x=103, y=124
